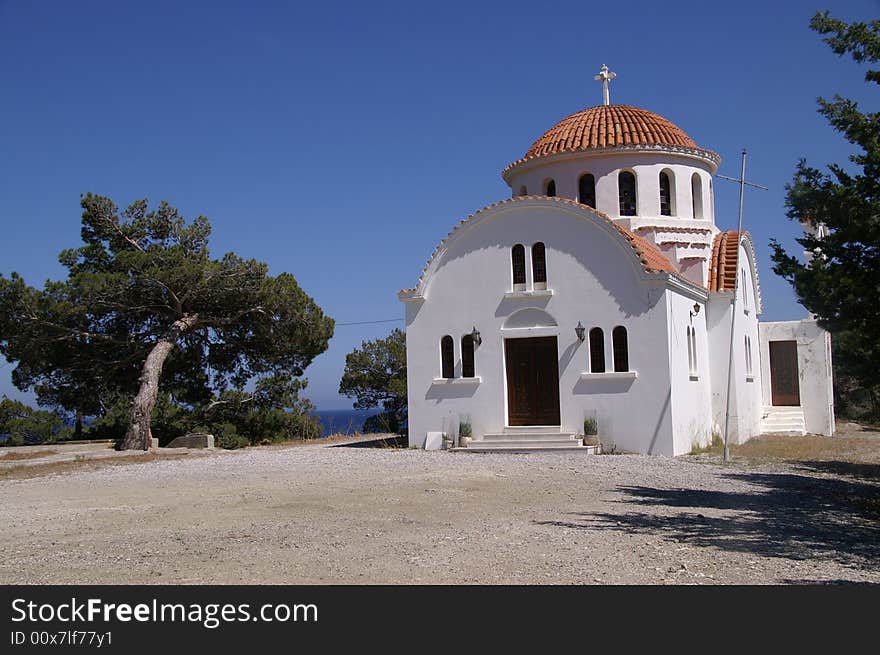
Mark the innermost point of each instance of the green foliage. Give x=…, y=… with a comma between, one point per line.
x=464, y=430
x=376, y=375
x=591, y=426
x=23, y=425
x=840, y=285
x=144, y=278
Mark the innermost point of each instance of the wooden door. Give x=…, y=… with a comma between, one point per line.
x=532, y=381
x=784, y=386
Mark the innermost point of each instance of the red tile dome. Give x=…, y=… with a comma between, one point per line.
x=607, y=126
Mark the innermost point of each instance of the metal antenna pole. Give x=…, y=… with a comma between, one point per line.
x=742, y=188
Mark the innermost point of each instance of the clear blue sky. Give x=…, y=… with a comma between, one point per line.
x=341, y=141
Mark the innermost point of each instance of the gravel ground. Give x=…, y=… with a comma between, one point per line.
x=318, y=514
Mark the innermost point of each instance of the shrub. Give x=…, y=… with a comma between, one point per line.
x=591, y=427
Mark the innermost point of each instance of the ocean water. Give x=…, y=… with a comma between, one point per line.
x=343, y=421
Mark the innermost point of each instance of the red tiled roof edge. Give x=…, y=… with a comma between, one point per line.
x=650, y=256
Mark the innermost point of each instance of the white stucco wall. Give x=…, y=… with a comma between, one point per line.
x=692, y=394
x=566, y=170
x=745, y=395
x=814, y=370
x=595, y=279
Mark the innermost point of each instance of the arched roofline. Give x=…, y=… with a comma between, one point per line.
x=650, y=265
x=725, y=257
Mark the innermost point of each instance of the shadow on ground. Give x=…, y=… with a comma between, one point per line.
x=787, y=515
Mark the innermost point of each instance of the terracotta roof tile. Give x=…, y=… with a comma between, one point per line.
x=609, y=126
x=722, y=266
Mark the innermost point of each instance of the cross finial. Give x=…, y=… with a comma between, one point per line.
x=605, y=77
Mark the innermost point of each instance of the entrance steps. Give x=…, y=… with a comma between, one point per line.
x=530, y=439
x=785, y=420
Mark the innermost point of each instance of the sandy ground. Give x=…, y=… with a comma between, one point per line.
x=319, y=514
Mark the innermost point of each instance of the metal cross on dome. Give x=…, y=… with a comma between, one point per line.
x=605, y=77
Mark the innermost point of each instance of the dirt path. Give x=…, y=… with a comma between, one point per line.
x=316, y=514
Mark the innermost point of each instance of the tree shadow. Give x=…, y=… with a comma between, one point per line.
x=845, y=469
x=787, y=515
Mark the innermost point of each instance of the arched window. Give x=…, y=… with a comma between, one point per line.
x=690, y=352
x=621, y=350
x=539, y=266
x=626, y=189
x=551, y=188
x=587, y=190
x=467, y=356
x=694, y=351
x=597, y=351
x=518, y=255
x=697, y=195
x=523, y=191
x=447, y=358
x=667, y=196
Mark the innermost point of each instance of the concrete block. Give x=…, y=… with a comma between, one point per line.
x=193, y=440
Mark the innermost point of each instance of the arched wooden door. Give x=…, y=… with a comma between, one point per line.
x=532, y=381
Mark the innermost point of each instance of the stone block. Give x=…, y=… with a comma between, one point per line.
x=193, y=440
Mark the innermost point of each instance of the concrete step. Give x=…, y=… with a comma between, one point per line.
x=544, y=442
x=529, y=437
x=783, y=420
x=519, y=447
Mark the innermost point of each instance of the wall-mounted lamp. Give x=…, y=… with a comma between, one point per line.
x=475, y=335
x=696, y=310
x=580, y=331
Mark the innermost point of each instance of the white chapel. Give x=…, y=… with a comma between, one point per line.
x=603, y=292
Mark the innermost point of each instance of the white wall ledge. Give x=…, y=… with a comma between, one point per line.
x=522, y=295
x=446, y=381
x=610, y=375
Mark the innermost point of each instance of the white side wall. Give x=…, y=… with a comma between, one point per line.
x=692, y=394
x=746, y=390
x=594, y=279
x=814, y=370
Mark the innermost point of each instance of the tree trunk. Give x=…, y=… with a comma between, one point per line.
x=137, y=437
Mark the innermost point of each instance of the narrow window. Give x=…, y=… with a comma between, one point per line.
x=551, y=188
x=539, y=266
x=467, y=356
x=626, y=187
x=523, y=191
x=694, y=348
x=519, y=267
x=621, y=354
x=665, y=195
x=447, y=357
x=587, y=190
x=690, y=353
x=597, y=351
x=697, y=195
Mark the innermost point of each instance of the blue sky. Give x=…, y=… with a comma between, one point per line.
x=341, y=141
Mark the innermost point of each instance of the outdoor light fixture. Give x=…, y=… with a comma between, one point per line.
x=475, y=335
x=696, y=310
x=580, y=331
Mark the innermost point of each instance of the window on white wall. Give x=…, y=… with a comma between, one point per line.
x=467, y=356
x=626, y=188
x=523, y=191
x=667, y=196
x=539, y=266
x=551, y=188
x=597, y=350
x=518, y=262
x=447, y=357
x=690, y=353
x=697, y=195
x=587, y=190
x=694, y=372
x=621, y=348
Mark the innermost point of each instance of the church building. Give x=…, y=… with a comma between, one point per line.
x=602, y=295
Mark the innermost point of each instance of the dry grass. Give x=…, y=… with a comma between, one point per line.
x=852, y=444
x=81, y=465
x=13, y=455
